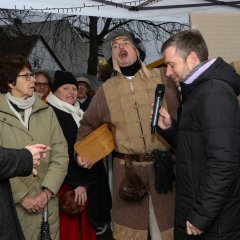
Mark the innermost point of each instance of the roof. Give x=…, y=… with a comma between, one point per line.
x=157, y=64
x=17, y=45
x=23, y=45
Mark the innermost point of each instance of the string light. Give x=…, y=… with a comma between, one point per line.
x=128, y=4
x=135, y=5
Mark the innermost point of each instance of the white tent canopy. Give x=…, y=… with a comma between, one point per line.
x=154, y=10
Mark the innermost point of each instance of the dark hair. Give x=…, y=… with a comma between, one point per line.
x=186, y=42
x=10, y=67
x=46, y=75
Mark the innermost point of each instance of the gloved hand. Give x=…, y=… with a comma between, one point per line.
x=164, y=171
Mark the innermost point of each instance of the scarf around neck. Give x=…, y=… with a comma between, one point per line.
x=198, y=70
x=131, y=70
x=23, y=104
x=74, y=110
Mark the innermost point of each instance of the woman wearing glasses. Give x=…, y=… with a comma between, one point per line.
x=43, y=84
x=25, y=120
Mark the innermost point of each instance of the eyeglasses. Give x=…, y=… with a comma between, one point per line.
x=27, y=76
x=82, y=86
x=43, y=85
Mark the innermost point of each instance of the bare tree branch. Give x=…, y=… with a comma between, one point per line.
x=75, y=32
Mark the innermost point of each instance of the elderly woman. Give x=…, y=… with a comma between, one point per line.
x=24, y=120
x=84, y=182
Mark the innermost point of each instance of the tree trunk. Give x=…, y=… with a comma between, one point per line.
x=93, y=48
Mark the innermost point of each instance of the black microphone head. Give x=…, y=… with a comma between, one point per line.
x=159, y=92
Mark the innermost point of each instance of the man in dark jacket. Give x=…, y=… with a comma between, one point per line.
x=15, y=162
x=208, y=161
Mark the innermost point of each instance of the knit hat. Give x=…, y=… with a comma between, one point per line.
x=107, y=48
x=83, y=80
x=61, y=78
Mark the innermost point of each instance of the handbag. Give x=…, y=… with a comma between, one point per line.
x=132, y=188
x=68, y=205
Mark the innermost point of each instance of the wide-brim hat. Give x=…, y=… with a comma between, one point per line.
x=63, y=77
x=83, y=80
x=96, y=145
x=107, y=44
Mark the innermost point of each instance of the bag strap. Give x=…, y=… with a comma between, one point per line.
x=128, y=164
x=128, y=161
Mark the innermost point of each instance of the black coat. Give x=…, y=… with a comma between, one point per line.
x=12, y=163
x=95, y=178
x=84, y=105
x=208, y=156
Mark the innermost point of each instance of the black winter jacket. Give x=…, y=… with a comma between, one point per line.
x=208, y=155
x=13, y=163
x=95, y=178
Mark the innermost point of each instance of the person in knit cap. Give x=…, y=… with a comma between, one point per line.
x=125, y=102
x=83, y=92
x=83, y=182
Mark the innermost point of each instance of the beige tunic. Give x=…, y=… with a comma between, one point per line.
x=126, y=105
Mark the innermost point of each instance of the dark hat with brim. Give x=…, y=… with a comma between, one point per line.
x=84, y=81
x=61, y=78
x=107, y=44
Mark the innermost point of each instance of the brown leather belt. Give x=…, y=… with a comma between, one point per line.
x=145, y=157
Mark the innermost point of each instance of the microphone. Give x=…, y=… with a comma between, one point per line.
x=159, y=93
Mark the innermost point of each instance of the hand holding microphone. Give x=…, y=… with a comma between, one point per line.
x=159, y=93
